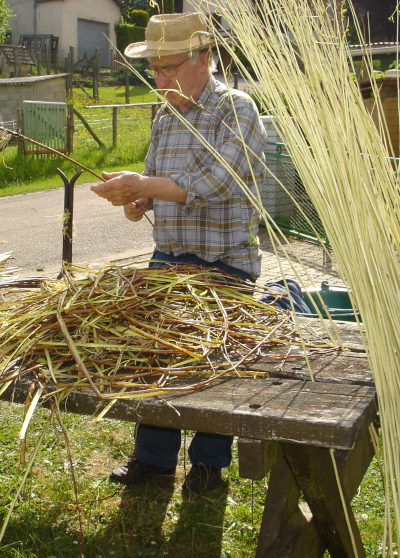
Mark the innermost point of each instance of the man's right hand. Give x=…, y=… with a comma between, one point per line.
x=134, y=211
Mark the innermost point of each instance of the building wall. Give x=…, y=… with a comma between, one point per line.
x=23, y=21
x=391, y=111
x=40, y=88
x=199, y=6
x=64, y=15
x=60, y=18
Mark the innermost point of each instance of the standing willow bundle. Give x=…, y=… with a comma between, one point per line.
x=300, y=59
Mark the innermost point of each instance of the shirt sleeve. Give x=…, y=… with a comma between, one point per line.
x=239, y=146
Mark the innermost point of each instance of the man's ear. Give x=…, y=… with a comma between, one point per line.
x=203, y=62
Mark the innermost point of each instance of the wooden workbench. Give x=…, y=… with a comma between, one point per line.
x=288, y=425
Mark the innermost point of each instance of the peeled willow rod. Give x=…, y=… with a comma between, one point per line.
x=56, y=152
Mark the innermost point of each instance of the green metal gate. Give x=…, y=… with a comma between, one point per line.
x=291, y=209
x=46, y=123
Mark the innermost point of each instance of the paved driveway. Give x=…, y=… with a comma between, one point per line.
x=31, y=227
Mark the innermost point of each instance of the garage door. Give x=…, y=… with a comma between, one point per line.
x=92, y=35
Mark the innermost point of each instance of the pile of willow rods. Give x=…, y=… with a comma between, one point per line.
x=5, y=270
x=126, y=332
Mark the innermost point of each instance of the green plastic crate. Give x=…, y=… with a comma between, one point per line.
x=336, y=299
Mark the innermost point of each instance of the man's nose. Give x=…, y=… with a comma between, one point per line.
x=161, y=81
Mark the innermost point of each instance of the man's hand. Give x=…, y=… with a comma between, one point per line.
x=134, y=211
x=124, y=188
x=120, y=188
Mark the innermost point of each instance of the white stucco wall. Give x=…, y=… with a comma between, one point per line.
x=23, y=21
x=200, y=6
x=60, y=18
x=63, y=16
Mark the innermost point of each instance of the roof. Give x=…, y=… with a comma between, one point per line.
x=119, y=3
x=374, y=48
x=29, y=79
x=23, y=55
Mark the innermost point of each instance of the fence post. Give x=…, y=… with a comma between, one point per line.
x=111, y=59
x=48, y=61
x=154, y=107
x=126, y=75
x=15, y=61
x=20, y=129
x=114, y=124
x=70, y=73
x=38, y=63
x=70, y=128
x=96, y=76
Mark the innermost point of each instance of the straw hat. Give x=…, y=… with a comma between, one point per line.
x=168, y=34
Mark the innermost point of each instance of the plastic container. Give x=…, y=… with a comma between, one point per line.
x=336, y=299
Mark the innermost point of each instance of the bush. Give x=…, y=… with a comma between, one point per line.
x=162, y=7
x=140, y=18
x=118, y=77
x=127, y=34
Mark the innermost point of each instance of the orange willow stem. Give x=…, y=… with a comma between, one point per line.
x=56, y=152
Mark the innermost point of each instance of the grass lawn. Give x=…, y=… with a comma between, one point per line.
x=29, y=173
x=153, y=519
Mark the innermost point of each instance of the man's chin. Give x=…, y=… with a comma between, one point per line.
x=173, y=97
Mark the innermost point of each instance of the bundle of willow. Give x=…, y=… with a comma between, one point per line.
x=127, y=332
x=300, y=59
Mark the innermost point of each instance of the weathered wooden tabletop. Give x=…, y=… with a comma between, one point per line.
x=303, y=419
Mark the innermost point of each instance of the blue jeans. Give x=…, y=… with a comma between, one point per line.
x=160, y=446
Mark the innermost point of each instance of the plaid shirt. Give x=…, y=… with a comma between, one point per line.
x=217, y=222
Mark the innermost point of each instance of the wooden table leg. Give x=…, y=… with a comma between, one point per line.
x=314, y=472
x=285, y=532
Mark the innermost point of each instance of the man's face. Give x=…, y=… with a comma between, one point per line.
x=188, y=82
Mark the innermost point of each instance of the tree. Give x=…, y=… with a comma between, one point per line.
x=5, y=15
x=375, y=20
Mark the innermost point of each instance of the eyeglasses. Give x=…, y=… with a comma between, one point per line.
x=168, y=71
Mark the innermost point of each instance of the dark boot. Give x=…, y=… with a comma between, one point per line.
x=136, y=471
x=201, y=478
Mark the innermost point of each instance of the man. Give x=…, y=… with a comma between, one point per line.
x=201, y=214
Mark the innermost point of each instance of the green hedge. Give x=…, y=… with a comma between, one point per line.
x=127, y=34
x=140, y=18
x=164, y=7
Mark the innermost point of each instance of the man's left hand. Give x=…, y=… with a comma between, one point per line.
x=120, y=188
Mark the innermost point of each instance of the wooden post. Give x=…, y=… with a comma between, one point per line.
x=15, y=61
x=48, y=59
x=38, y=63
x=95, y=76
x=114, y=124
x=70, y=73
x=111, y=59
x=126, y=75
x=236, y=80
x=70, y=128
x=154, y=107
x=20, y=129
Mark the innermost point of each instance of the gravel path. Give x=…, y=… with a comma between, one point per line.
x=31, y=227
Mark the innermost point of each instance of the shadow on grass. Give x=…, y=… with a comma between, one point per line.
x=156, y=520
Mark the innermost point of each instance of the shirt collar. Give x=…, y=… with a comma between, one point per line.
x=208, y=90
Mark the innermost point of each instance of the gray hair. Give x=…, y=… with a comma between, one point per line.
x=194, y=56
